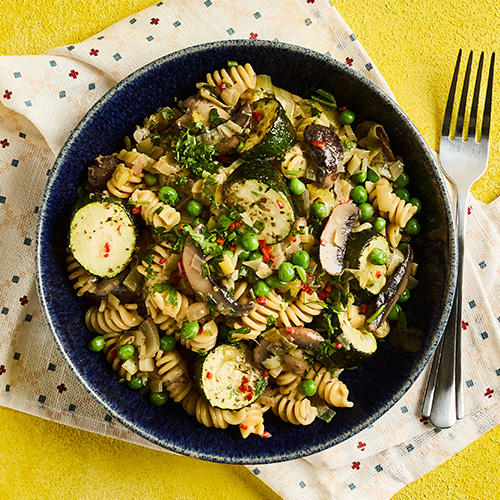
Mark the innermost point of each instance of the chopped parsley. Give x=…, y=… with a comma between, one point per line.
x=171, y=297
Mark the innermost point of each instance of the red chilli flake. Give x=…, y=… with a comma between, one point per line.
x=209, y=375
x=364, y=307
x=162, y=260
x=113, y=353
x=319, y=144
x=106, y=249
x=180, y=265
x=238, y=224
x=262, y=243
x=119, y=227
x=232, y=248
x=265, y=435
x=328, y=288
x=223, y=86
x=231, y=226
x=180, y=229
x=265, y=373
x=322, y=296
x=249, y=396
x=324, y=243
x=261, y=300
x=257, y=116
x=280, y=204
x=294, y=239
x=338, y=345
x=224, y=159
x=244, y=426
x=264, y=200
x=289, y=329
x=137, y=210
x=342, y=108
x=245, y=379
x=220, y=240
x=378, y=274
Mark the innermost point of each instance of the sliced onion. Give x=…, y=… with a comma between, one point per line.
x=272, y=362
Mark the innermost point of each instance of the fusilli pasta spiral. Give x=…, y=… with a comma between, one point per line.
x=173, y=372
x=112, y=316
x=302, y=310
x=153, y=211
x=230, y=83
x=204, y=341
x=83, y=281
x=294, y=408
x=294, y=163
x=301, y=126
x=257, y=319
x=253, y=423
x=330, y=388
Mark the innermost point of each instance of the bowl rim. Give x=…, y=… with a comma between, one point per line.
x=429, y=157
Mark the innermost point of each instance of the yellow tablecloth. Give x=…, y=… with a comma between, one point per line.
x=412, y=44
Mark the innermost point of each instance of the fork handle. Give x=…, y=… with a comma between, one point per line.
x=448, y=401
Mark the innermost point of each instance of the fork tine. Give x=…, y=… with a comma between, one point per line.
x=451, y=98
x=463, y=98
x=475, y=100
x=485, y=128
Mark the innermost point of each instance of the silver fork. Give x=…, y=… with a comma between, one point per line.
x=464, y=157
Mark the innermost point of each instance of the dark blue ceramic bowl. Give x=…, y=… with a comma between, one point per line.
x=374, y=387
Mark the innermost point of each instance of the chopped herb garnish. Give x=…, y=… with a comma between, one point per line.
x=171, y=297
x=232, y=64
x=214, y=117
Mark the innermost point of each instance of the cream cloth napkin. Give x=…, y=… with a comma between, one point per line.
x=43, y=97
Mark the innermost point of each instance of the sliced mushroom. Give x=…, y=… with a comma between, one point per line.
x=326, y=150
x=396, y=284
x=102, y=170
x=386, y=148
x=202, y=107
x=305, y=338
x=193, y=261
x=334, y=237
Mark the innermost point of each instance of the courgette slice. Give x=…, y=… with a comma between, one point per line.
x=271, y=134
x=258, y=189
x=227, y=377
x=370, y=276
x=102, y=236
x=346, y=346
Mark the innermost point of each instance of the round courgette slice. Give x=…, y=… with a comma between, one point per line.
x=347, y=346
x=259, y=191
x=227, y=377
x=370, y=276
x=271, y=134
x=102, y=236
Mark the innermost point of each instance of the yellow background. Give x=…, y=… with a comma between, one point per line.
x=414, y=44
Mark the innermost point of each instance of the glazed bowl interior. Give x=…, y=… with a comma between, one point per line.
x=374, y=387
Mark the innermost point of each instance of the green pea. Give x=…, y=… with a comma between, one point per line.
x=308, y=387
x=402, y=193
x=402, y=180
x=158, y=398
x=372, y=176
x=97, y=343
x=150, y=179
x=274, y=282
x=168, y=195
x=394, y=314
x=255, y=255
x=261, y=289
x=190, y=329
x=379, y=224
x=125, y=351
x=404, y=296
x=412, y=227
x=367, y=211
x=319, y=210
x=135, y=383
x=249, y=241
x=286, y=272
x=301, y=258
x=167, y=343
x=296, y=186
x=417, y=203
x=244, y=255
x=377, y=257
x=347, y=117
x=194, y=208
x=359, y=177
x=359, y=195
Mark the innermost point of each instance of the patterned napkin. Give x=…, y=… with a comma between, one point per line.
x=43, y=97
